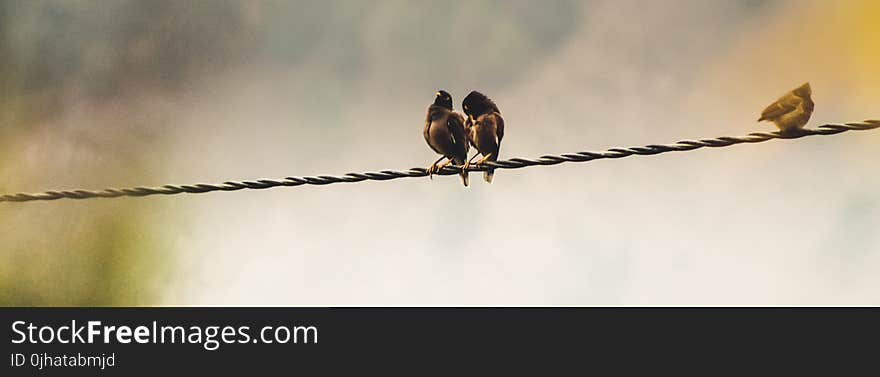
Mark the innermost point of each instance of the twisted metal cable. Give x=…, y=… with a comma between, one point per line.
x=514, y=163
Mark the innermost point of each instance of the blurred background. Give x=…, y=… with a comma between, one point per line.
x=128, y=93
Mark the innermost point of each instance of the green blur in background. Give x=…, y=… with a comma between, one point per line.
x=62, y=56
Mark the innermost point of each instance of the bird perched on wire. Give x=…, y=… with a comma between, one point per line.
x=444, y=131
x=791, y=111
x=485, y=129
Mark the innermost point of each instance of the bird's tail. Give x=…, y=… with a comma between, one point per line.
x=489, y=174
x=464, y=174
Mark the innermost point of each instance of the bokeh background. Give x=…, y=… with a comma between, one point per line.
x=97, y=94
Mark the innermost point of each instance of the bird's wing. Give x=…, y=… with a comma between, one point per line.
x=781, y=107
x=455, y=123
x=499, y=127
x=450, y=126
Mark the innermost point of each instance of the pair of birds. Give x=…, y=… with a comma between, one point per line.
x=450, y=135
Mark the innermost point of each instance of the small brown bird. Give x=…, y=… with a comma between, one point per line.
x=445, y=134
x=791, y=111
x=485, y=129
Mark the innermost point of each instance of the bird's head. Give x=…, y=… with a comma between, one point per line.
x=443, y=99
x=476, y=104
x=803, y=90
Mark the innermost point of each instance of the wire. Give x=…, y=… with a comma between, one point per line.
x=514, y=163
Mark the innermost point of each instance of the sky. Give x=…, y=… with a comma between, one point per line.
x=210, y=92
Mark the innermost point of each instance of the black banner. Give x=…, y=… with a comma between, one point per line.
x=92, y=341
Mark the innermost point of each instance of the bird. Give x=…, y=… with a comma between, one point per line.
x=445, y=134
x=791, y=111
x=485, y=129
